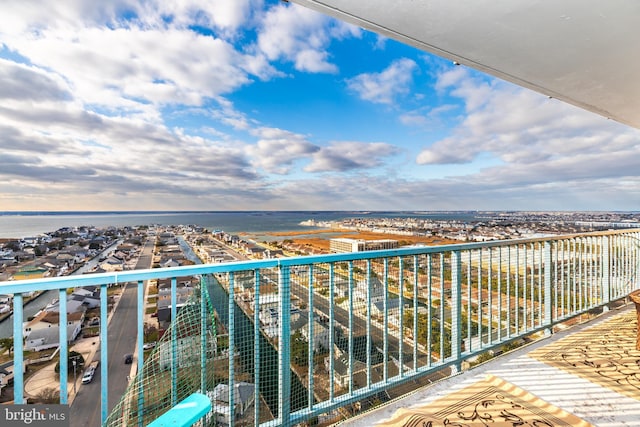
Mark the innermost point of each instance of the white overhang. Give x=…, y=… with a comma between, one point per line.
x=584, y=52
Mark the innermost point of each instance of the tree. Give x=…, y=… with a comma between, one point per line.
x=73, y=355
x=299, y=349
x=14, y=245
x=6, y=343
x=48, y=396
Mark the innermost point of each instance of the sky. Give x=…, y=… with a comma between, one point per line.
x=267, y=105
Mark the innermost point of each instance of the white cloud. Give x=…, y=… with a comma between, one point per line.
x=228, y=15
x=314, y=62
x=93, y=96
x=23, y=16
x=277, y=150
x=536, y=142
x=346, y=156
x=385, y=86
x=299, y=35
x=22, y=82
x=426, y=116
x=111, y=67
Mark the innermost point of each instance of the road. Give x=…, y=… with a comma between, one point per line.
x=85, y=410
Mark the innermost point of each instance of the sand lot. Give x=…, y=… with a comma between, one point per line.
x=321, y=243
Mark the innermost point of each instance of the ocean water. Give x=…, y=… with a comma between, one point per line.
x=25, y=224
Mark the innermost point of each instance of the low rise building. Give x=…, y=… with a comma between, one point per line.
x=343, y=245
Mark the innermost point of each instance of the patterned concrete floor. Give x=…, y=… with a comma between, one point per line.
x=590, y=372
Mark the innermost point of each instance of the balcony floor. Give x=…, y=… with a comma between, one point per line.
x=590, y=372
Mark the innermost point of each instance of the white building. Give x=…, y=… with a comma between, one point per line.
x=43, y=339
x=342, y=245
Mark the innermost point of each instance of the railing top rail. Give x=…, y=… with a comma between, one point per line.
x=192, y=270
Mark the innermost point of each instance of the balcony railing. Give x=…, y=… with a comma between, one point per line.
x=289, y=340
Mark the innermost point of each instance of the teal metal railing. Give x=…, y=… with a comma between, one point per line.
x=281, y=341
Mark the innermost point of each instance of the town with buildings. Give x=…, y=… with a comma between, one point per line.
x=85, y=249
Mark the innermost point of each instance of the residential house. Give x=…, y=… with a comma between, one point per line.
x=376, y=291
x=341, y=369
x=4, y=262
x=6, y=373
x=255, y=251
x=49, y=320
x=88, y=301
x=44, y=339
x=112, y=263
x=181, y=282
x=321, y=335
x=392, y=307
x=89, y=296
x=6, y=253
x=183, y=294
x=243, y=399
x=77, y=302
x=66, y=258
x=170, y=263
x=269, y=304
x=74, y=305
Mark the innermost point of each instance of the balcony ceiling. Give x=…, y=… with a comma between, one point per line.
x=584, y=52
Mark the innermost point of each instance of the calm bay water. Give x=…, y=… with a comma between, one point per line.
x=25, y=224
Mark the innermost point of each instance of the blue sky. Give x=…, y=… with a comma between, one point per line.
x=246, y=104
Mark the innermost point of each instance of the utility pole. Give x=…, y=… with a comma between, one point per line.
x=73, y=361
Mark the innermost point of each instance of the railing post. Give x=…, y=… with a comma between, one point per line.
x=232, y=348
x=332, y=371
x=140, y=350
x=368, y=325
x=416, y=268
x=104, y=355
x=456, y=309
x=636, y=256
x=64, y=348
x=350, y=320
x=606, y=272
x=174, y=341
x=284, y=356
x=310, y=396
x=203, y=337
x=18, y=351
x=548, y=298
x=385, y=335
x=256, y=347
x=401, y=316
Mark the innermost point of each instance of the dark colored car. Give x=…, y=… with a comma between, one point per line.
x=128, y=358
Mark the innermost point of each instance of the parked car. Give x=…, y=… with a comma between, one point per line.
x=90, y=372
x=149, y=345
x=88, y=376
